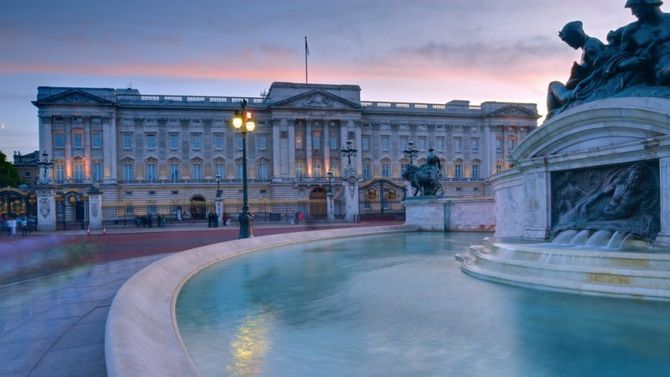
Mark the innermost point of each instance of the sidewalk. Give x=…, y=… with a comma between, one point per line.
x=53, y=313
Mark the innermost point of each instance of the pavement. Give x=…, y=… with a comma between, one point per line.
x=56, y=289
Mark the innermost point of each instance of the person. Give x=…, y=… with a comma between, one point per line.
x=558, y=94
x=210, y=220
x=24, y=227
x=12, y=226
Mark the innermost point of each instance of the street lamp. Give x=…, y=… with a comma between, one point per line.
x=244, y=122
x=349, y=151
x=218, y=183
x=411, y=152
x=330, y=183
x=45, y=165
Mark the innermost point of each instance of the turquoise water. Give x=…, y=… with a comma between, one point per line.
x=400, y=306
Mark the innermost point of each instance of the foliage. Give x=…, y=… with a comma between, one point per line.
x=8, y=174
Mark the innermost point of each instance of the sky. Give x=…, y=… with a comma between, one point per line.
x=425, y=51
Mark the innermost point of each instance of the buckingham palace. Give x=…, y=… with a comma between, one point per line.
x=172, y=154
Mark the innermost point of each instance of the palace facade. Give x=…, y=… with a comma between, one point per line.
x=150, y=152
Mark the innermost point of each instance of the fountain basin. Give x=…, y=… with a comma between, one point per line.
x=583, y=270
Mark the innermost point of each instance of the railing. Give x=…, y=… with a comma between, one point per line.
x=209, y=180
x=414, y=106
x=168, y=99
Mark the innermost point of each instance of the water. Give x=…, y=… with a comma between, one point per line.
x=400, y=306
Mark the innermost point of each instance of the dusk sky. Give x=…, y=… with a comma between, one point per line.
x=411, y=51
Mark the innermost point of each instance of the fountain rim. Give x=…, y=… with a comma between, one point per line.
x=141, y=334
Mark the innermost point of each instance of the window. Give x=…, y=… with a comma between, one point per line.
x=316, y=140
x=127, y=141
x=174, y=171
x=195, y=141
x=59, y=140
x=78, y=170
x=439, y=144
x=298, y=141
x=97, y=171
x=333, y=141
x=128, y=172
x=239, y=142
x=77, y=141
x=151, y=141
x=385, y=142
x=386, y=170
x=219, y=170
x=475, y=171
x=151, y=171
x=261, y=142
x=404, y=142
x=367, y=171
x=60, y=172
x=458, y=170
x=499, y=145
x=129, y=211
x=218, y=141
x=96, y=140
x=365, y=143
x=458, y=144
x=499, y=167
x=299, y=169
x=263, y=170
x=511, y=143
x=422, y=144
x=239, y=171
x=474, y=145
x=173, y=141
x=196, y=172
x=316, y=164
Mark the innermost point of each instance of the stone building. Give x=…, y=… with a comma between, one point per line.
x=163, y=153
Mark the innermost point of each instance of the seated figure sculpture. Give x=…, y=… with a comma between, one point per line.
x=573, y=34
x=634, y=63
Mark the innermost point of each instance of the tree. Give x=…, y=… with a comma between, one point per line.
x=8, y=174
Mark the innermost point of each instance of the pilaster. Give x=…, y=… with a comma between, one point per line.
x=46, y=209
x=663, y=238
x=276, y=145
x=291, y=149
x=308, y=148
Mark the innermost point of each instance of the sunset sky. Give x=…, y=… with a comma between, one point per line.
x=429, y=51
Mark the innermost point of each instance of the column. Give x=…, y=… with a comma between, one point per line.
x=87, y=146
x=46, y=137
x=276, y=164
x=68, y=148
x=359, y=146
x=326, y=147
x=95, y=209
x=663, y=238
x=291, y=148
x=308, y=148
x=351, y=204
x=46, y=208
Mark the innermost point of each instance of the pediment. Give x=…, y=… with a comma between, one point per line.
x=513, y=111
x=316, y=99
x=73, y=97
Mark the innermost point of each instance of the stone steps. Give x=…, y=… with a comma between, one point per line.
x=595, y=272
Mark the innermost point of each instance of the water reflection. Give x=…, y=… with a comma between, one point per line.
x=400, y=306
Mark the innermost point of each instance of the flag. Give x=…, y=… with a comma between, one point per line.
x=306, y=47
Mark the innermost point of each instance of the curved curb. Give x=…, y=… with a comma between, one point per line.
x=141, y=334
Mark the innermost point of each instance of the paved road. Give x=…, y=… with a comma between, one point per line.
x=52, y=318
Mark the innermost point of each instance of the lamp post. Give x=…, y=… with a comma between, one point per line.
x=411, y=152
x=330, y=207
x=45, y=165
x=349, y=151
x=218, y=186
x=244, y=122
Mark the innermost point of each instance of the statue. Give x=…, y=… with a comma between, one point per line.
x=634, y=63
x=425, y=179
x=573, y=34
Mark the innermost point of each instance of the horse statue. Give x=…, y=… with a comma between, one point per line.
x=425, y=179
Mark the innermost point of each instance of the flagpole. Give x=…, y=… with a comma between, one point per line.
x=306, y=54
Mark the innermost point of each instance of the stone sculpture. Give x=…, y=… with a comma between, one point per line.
x=634, y=63
x=425, y=179
x=615, y=198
